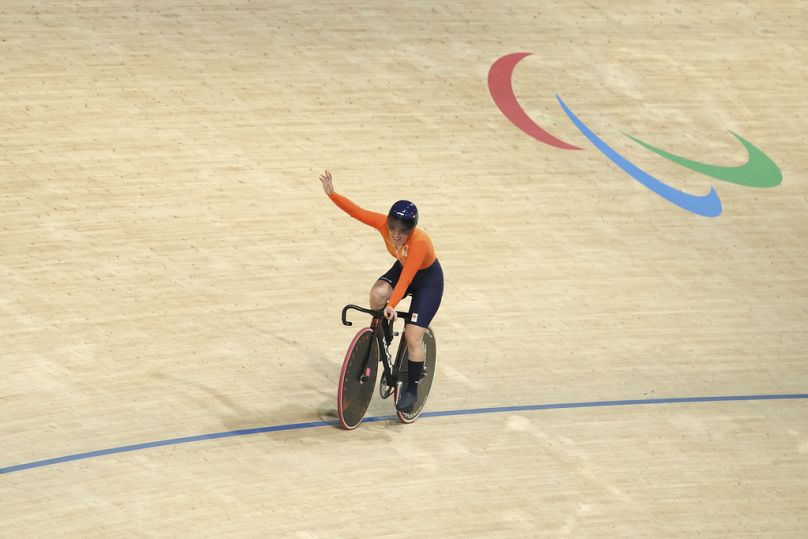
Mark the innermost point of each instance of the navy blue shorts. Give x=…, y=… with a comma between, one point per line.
x=426, y=290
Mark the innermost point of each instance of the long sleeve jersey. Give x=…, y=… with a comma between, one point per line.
x=416, y=254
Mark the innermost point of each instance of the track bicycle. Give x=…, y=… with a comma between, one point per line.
x=369, y=348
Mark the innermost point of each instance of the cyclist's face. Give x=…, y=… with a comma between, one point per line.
x=398, y=234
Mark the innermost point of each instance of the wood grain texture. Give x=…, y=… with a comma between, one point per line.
x=170, y=267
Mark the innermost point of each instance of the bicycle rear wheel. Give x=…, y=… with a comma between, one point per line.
x=426, y=379
x=354, y=393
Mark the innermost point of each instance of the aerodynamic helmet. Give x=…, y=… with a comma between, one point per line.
x=405, y=213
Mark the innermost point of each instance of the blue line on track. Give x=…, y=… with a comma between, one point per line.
x=445, y=413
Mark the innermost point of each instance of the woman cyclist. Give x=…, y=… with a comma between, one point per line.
x=416, y=272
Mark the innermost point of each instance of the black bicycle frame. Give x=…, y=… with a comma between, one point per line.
x=383, y=333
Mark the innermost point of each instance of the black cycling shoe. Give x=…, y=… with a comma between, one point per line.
x=407, y=402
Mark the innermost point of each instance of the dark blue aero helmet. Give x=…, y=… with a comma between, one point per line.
x=405, y=213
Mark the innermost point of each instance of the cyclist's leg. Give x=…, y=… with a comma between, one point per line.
x=415, y=343
x=426, y=299
x=416, y=354
x=379, y=294
x=383, y=288
x=427, y=294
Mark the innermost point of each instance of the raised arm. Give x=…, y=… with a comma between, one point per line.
x=370, y=218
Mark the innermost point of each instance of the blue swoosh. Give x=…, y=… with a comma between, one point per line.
x=708, y=205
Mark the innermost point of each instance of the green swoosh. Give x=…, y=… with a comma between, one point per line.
x=758, y=171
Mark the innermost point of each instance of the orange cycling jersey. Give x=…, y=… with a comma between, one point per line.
x=416, y=254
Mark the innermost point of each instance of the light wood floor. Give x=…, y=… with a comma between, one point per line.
x=170, y=267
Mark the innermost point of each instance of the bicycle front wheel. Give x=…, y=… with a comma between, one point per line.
x=357, y=379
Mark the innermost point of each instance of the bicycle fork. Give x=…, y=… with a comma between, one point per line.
x=383, y=339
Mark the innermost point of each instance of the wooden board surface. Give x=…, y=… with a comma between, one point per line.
x=170, y=268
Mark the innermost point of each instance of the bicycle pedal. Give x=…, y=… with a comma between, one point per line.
x=385, y=389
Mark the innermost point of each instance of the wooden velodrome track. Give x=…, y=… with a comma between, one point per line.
x=171, y=269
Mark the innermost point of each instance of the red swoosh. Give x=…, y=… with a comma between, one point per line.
x=501, y=88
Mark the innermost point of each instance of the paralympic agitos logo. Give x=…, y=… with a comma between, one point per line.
x=758, y=171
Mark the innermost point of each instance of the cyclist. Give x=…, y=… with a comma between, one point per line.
x=415, y=272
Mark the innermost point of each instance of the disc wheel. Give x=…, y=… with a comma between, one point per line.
x=355, y=386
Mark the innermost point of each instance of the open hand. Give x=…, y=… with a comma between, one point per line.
x=328, y=183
